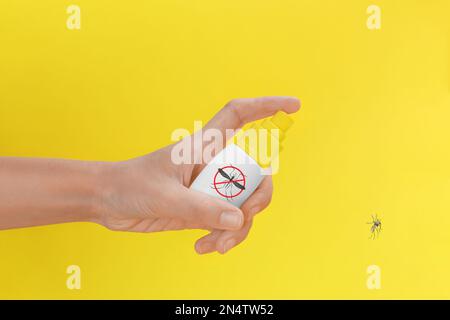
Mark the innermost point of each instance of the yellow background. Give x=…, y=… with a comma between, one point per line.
x=372, y=137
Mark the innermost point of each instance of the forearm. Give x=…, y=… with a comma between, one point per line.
x=47, y=191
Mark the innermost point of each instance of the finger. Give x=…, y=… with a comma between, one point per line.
x=241, y=111
x=237, y=113
x=222, y=241
x=207, y=244
x=194, y=206
x=179, y=224
x=259, y=200
x=226, y=240
x=230, y=239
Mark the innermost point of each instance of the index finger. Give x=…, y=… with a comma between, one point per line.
x=238, y=112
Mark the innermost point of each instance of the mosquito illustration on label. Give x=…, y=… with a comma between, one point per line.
x=229, y=182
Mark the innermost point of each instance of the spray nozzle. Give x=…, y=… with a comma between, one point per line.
x=282, y=121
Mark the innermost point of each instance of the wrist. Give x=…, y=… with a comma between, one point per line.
x=106, y=190
x=101, y=172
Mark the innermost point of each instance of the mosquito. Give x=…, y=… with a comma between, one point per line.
x=375, y=229
x=230, y=182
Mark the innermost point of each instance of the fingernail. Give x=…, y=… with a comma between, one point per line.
x=205, y=247
x=231, y=220
x=228, y=245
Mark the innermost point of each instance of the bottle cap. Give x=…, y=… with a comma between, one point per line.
x=276, y=127
x=282, y=121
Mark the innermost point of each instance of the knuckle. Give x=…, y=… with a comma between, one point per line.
x=233, y=109
x=232, y=102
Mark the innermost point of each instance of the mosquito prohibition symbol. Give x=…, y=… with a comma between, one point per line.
x=229, y=182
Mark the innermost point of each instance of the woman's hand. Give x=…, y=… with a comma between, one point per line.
x=151, y=193
x=146, y=194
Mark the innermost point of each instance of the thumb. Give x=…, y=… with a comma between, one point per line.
x=194, y=206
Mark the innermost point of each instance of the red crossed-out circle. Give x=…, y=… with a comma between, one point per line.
x=240, y=178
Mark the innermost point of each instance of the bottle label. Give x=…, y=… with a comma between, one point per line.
x=231, y=176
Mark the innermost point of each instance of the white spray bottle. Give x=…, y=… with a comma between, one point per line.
x=235, y=172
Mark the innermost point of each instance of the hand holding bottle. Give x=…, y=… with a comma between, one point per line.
x=151, y=193
x=145, y=194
